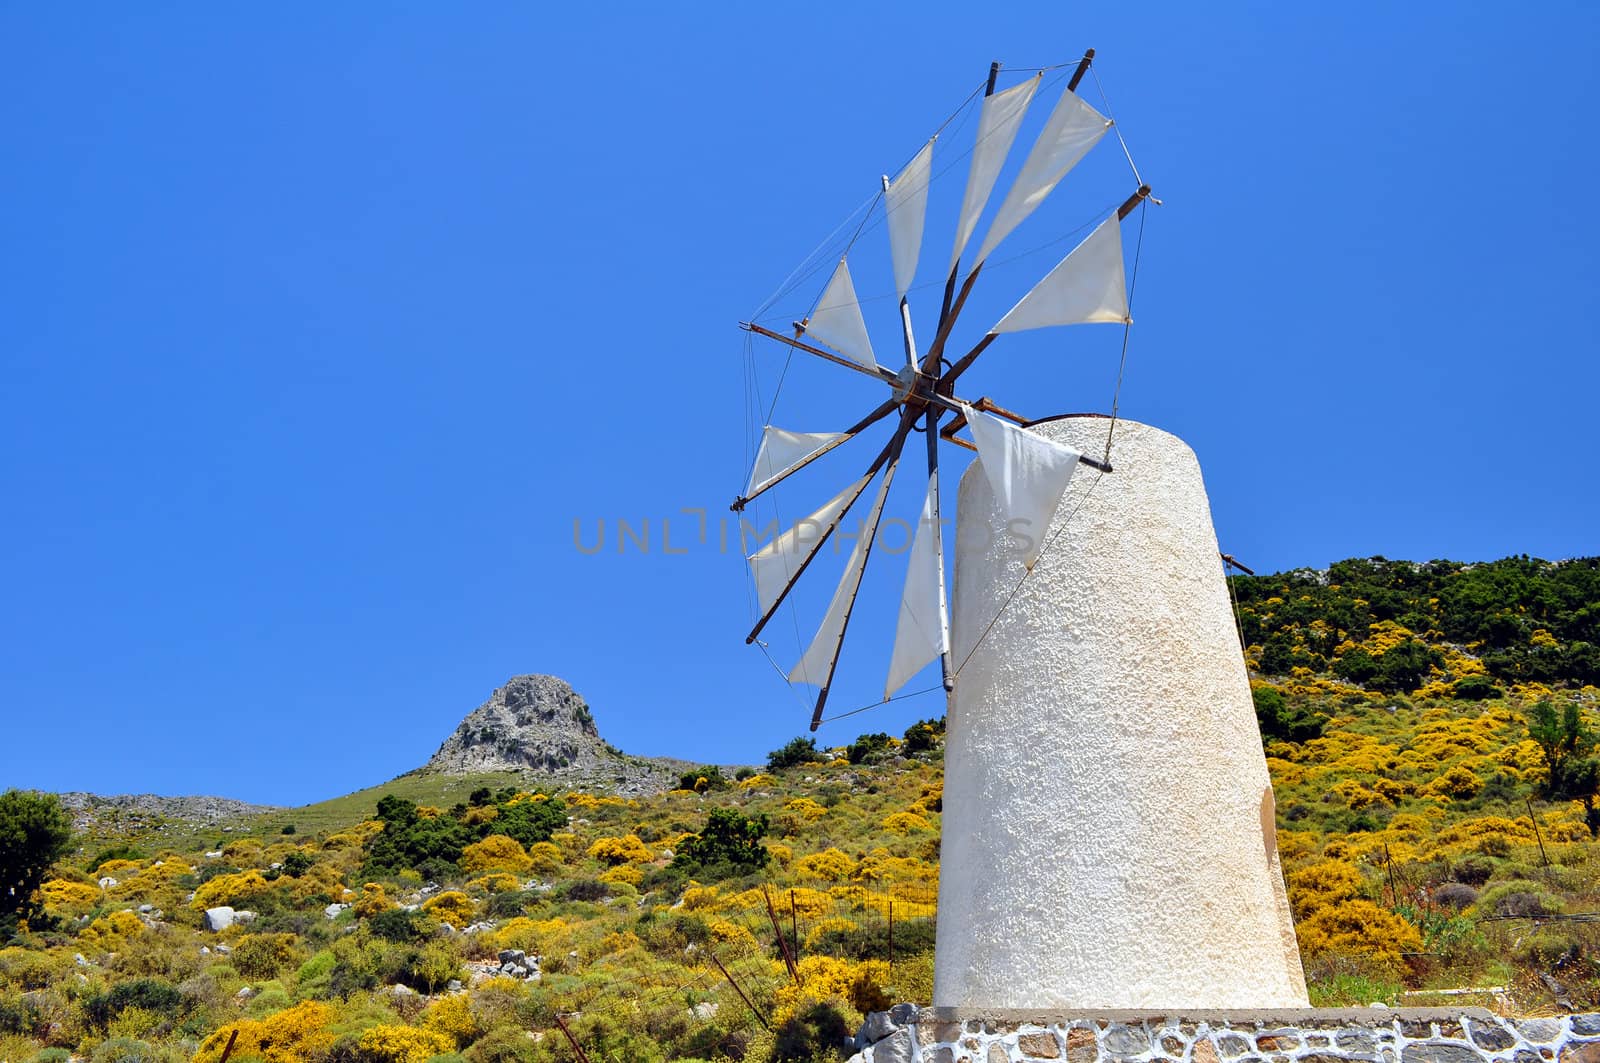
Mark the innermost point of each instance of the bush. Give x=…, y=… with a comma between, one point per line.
x=124, y=1050
x=148, y=994
x=401, y=926
x=729, y=844
x=402, y=1044
x=1456, y=895
x=703, y=780
x=1476, y=688
x=868, y=748
x=792, y=754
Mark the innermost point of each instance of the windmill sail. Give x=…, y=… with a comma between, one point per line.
x=816, y=666
x=922, y=633
x=998, y=121
x=777, y=562
x=906, y=202
x=782, y=451
x=1074, y=127
x=837, y=321
x=1087, y=286
x=1028, y=474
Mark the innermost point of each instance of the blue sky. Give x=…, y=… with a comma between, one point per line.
x=321, y=326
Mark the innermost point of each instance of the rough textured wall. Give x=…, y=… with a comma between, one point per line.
x=1368, y=1035
x=1108, y=835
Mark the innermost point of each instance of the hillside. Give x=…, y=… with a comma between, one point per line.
x=1428, y=727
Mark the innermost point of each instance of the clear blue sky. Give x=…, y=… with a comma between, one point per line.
x=320, y=326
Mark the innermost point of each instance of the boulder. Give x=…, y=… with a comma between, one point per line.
x=219, y=918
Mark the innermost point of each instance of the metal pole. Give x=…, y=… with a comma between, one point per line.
x=228, y=1051
x=571, y=1040
x=1539, y=837
x=736, y=989
x=783, y=945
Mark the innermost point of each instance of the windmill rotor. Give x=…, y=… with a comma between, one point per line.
x=1029, y=472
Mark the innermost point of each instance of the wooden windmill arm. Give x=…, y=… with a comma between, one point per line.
x=869, y=420
x=888, y=452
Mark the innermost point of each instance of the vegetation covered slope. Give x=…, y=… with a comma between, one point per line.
x=1427, y=727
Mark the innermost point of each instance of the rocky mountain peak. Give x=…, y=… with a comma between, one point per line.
x=532, y=723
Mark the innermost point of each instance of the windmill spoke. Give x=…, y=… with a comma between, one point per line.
x=892, y=450
x=931, y=430
x=870, y=534
x=879, y=373
x=854, y=430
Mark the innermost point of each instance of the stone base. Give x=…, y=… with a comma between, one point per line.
x=1310, y=1035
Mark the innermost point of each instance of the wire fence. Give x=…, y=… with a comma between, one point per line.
x=758, y=940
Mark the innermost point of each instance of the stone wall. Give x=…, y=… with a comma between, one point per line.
x=1363, y=1035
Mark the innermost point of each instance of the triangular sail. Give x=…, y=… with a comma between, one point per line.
x=1087, y=286
x=816, y=664
x=998, y=121
x=1028, y=473
x=775, y=564
x=1074, y=127
x=922, y=633
x=782, y=451
x=837, y=321
x=906, y=202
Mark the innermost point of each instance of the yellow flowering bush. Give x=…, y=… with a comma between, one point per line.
x=830, y=865
x=904, y=823
x=452, y=1016
x=112, y=931
x=859, y=984
x=545, y=858
x=494, y=882
x=230, y=890
x=627, y=849
x=62, y=897
x=497, y=852
x=372, y=900
x=805, y=809
x=403, y=1044
x=623, y=874
x=451, y=906
x=295, y=1035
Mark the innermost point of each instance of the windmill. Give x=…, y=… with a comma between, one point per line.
x=1028, y=471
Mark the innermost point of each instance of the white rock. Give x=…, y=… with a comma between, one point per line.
x=107, y=883
x=244, y=917
x=219, y=918
x=332, y=911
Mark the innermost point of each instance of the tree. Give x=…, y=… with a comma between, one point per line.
x=34, y=832
x=729, y=844
x=1571, y=770
x=794, y=753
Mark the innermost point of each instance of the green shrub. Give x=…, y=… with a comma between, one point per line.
x=729, y=844
x=149, y=994
x=795, y=752
x=124, y=1050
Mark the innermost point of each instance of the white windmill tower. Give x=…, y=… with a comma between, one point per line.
x=1108, y=824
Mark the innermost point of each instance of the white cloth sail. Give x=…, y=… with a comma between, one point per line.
x=777, y=562
x=998, y=122
x=837, y=321
x=1074, y=127
x=1028, y=474
x=1087, y=286
x=922, y=633
x=782, y=450
x=906, y=203
x=814, y=665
